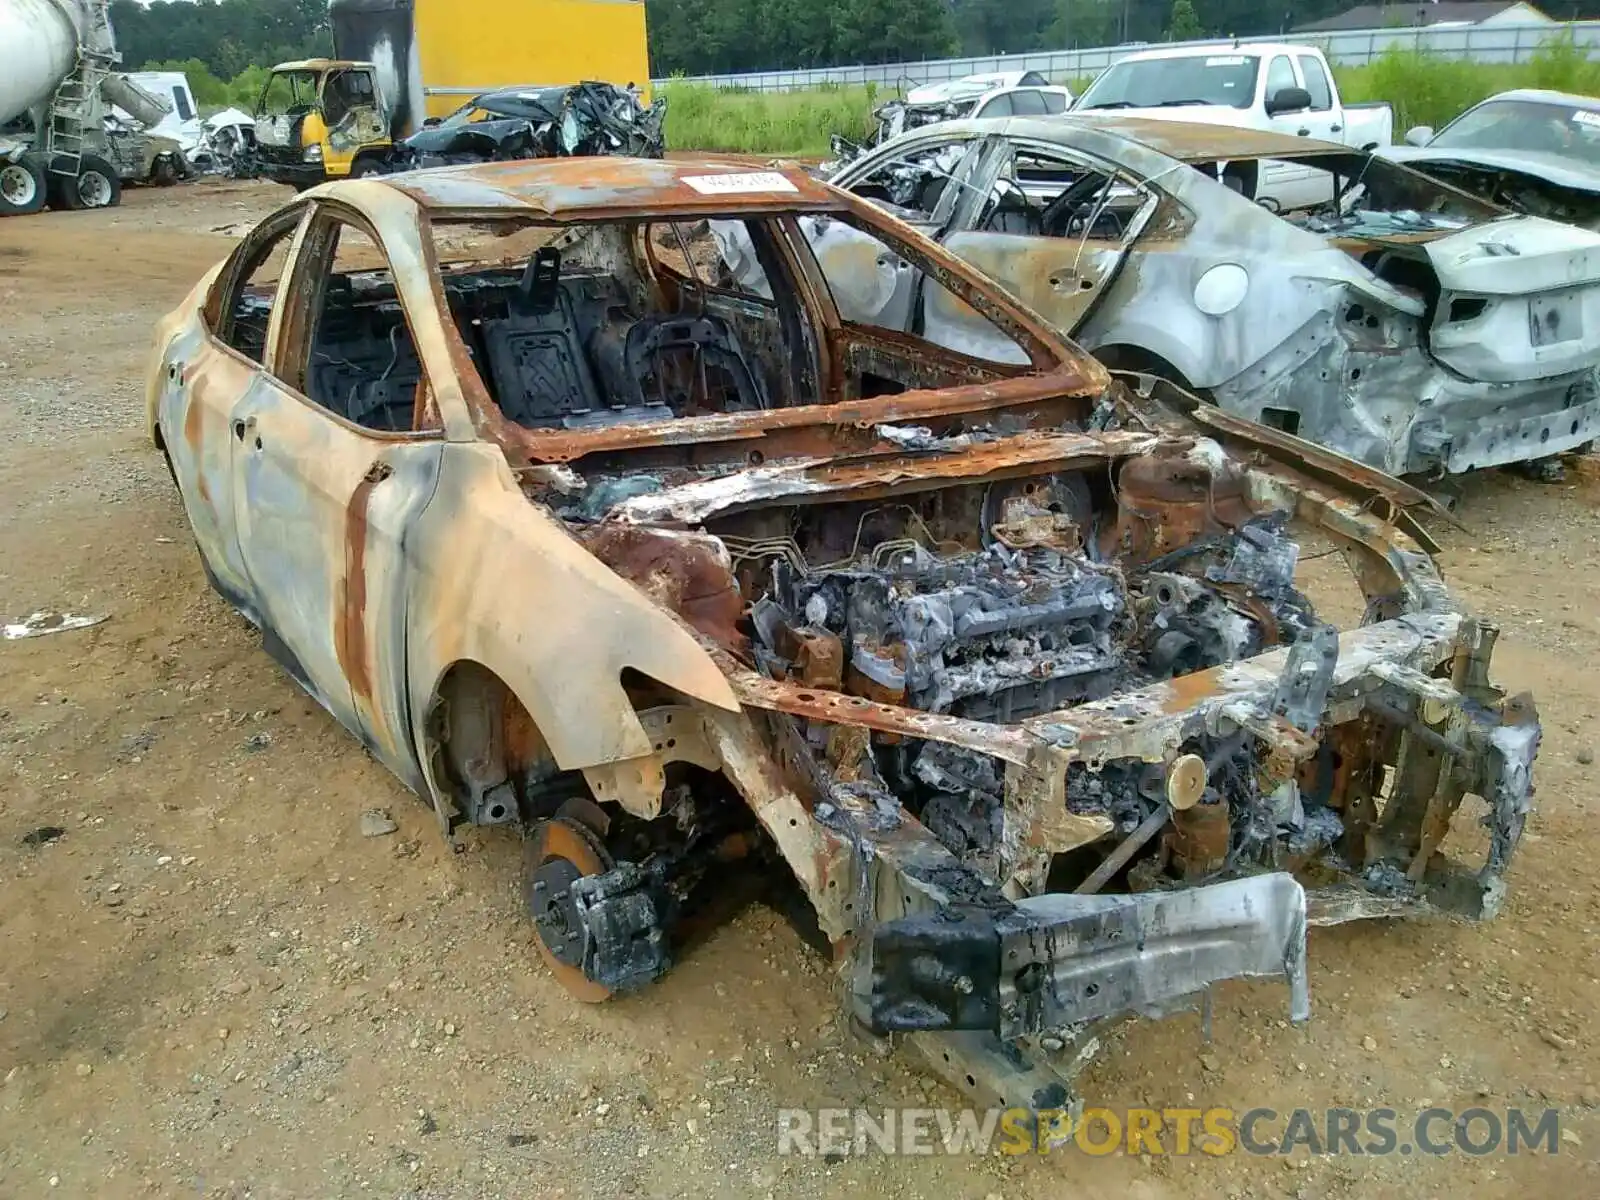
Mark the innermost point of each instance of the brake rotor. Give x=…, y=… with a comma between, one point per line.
x=560, y=852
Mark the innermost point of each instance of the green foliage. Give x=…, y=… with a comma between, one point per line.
x=209, y=91
x=728, y=36
x=1428, y=89
x=228, y=36
x=1185, y=26
x=245, y=88
x=1423, y=89
x=745, y=122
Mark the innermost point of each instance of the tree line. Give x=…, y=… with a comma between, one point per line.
x=228, y=36
x=699, y=37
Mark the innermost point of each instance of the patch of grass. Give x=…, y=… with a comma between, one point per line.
x=1428, y=89
x=745, y=122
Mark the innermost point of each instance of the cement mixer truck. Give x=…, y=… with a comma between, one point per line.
x=58, y=83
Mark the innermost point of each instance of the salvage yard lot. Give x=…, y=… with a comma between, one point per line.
x=215, y=985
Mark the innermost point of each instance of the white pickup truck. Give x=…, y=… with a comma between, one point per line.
x=1269, y=86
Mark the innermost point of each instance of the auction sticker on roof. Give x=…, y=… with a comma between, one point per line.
x=740, y=183
x=1227, y=60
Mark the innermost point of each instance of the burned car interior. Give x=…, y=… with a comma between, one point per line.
x=1035, y=191
x=1030, y=663
x=612, y=324
x=1039, y=191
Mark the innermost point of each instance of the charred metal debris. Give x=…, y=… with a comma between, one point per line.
x=1023, y=677
x=581, y=120
x=1035, y=721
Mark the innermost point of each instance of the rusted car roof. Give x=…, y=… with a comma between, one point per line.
x=1188, y=141
x=319, y=64
x=579, y=189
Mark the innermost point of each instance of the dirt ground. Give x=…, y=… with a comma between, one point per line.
x=213, y=984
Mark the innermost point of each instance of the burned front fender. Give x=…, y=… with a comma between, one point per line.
x=498, y=582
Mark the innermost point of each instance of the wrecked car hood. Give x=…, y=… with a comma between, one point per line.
x=1552, y=168
x=440, y=139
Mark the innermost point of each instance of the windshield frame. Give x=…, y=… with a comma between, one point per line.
x=295, y=77
x=1096, y=95
x=1524, y=113
x=459, y=117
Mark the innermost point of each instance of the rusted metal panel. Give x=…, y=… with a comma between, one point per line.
x=599, y=188
x=539, y=626
x=827, y=420
x=1027, y=454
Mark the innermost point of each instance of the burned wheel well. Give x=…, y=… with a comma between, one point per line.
x=490, y=761
x=479, y=741
x=1137, y=358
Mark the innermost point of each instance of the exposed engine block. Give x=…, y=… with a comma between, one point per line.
x=1003, y=634
x=995, y=635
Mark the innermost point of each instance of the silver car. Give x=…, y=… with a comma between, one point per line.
x=1404, y=324
x=1533, y=151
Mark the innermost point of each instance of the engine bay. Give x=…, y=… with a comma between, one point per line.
x=1017, y=603
x=1035, y=623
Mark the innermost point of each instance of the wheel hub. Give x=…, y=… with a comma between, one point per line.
x=560, y=852
x=94, y=189
x=554, y=913
x=17, y=184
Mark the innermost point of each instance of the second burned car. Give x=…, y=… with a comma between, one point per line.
x=1015, y=669
x=1394, y=319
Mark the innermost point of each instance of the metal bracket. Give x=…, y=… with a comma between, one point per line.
x=678, y=734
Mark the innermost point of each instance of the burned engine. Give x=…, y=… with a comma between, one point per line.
x=996, y=635
x=1038, y=620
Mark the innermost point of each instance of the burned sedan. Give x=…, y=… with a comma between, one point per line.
x=580, y=120
x=1400, y=322
x=1015, y=670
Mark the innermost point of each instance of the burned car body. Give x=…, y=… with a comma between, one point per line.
x=1012, y=667
x=533, y=122
x=1531, y=151
x=1404, y=324
x=998, y=94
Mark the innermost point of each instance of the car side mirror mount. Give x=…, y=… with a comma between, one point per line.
x=1287, y=100
x=431, y=122
x=1419, y=135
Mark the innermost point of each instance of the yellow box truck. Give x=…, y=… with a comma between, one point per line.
x=400, y=62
